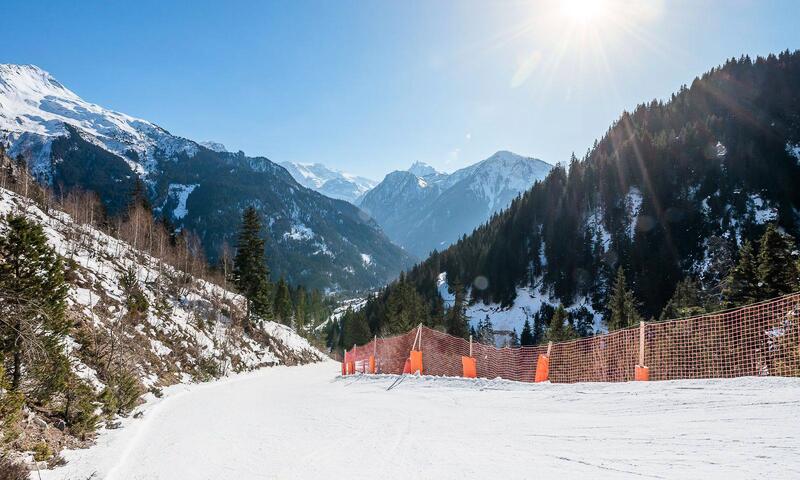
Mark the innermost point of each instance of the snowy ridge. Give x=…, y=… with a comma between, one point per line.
x=34, y=108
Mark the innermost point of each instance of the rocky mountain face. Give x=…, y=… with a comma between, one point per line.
x=671, y=192
x=331, y=183
x=423, y=210
x=70, y=143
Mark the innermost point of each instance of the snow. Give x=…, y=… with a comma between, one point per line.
x=298, y=233
x=761, y=212
x=181, y=194
x=633, y=205
x=305, y=422
x=595, y=224
x=529, y=300
x=793, y=149
x=366, y=259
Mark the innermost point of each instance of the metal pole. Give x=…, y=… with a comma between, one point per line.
x=470, y=346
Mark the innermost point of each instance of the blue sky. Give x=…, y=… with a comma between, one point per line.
x=372, y=86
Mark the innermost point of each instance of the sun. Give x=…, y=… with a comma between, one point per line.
x=583, y=11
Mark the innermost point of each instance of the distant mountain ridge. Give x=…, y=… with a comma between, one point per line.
x=68, y=142
x=329, y=182
x=422, y=209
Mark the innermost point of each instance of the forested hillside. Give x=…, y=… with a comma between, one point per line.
x=673, y=192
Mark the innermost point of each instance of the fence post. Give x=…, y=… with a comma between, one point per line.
x=642, y=373
x=543, y=365
x=374, y=354
x=468, y=364
x=415, y=357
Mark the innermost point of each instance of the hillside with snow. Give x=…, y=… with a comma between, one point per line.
x=422, y=209
x=190, y=330
x=69, y=143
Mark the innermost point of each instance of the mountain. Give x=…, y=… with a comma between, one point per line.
x=69, y=143
x=670, y=192
x=422, y=209
x=331, y=183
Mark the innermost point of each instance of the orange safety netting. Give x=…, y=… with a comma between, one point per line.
x=760, y=339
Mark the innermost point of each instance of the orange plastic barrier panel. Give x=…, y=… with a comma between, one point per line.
x=407, y=366
x=642, y=374
x=469, y=365
x=351, y=366
x=416, y=361
x=542, y=369
x=371, y=364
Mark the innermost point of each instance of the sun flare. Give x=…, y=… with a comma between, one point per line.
x=583, y=11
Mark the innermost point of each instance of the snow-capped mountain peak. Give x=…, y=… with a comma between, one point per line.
x=35, y=108
x=422, y=169
x=329, y=182
x=422, y=209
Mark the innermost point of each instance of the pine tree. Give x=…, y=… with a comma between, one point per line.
x=250, y=272
x=621, y=307
x=526, y=337
x=283, y=303
x=300, y=309
x=513, y=340
x=687, y=301
x=33, y=299
x=775, y=269
x=456, y=318
x=559, y=330
x=741, y=284
x=486, y=331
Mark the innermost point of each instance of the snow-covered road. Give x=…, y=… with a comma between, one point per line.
x=304, y=422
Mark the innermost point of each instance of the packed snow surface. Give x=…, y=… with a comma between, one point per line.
x=305, y=422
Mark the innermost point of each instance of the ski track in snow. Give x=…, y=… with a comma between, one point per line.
x=305, y=422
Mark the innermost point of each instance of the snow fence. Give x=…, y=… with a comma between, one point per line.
x=762, y=339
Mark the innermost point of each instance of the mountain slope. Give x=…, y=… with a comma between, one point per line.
x=670, y=191
x=331, y=183
x=422, y=209
x=133, y=317
x=68, y=143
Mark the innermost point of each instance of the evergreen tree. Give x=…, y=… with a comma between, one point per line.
x=559, y=330
x=250, y=272
x=485, y=331
x=621, y=307
x=139, y=197
x=741, y=284
x=283, y=303
x=355, y=329
x=776, y=275
x=687, y=301
x=33, y=297
x=456, y=318
x=300, y=309
x=513, y=340
x=526, y=337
